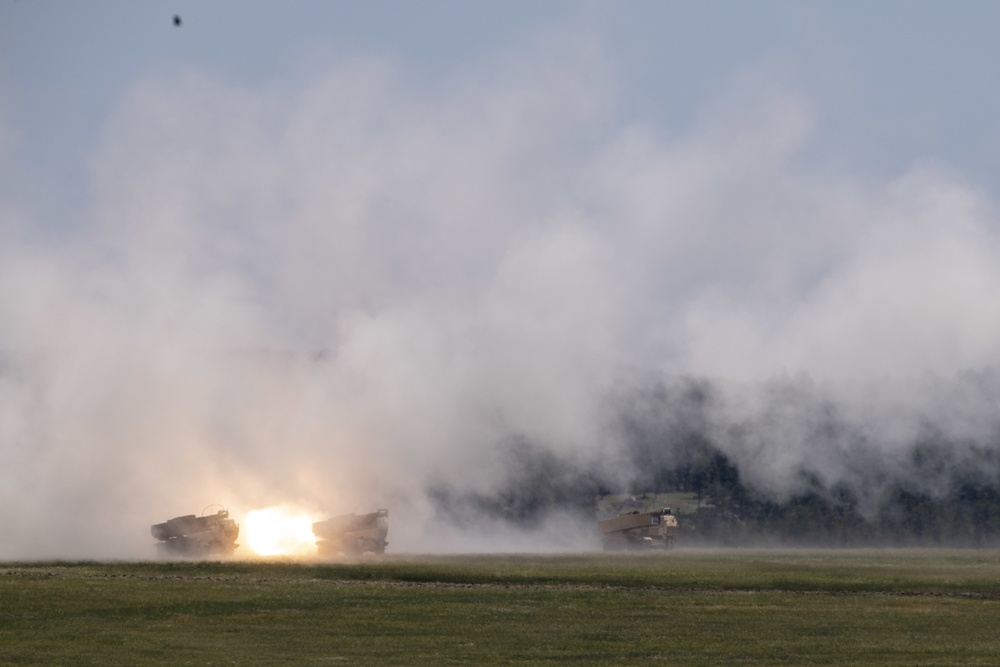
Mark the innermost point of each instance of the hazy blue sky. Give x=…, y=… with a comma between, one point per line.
x=890, y=81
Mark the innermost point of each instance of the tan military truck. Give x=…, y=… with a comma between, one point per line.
x=191, y=536
x=352, y=534
x=639, y=530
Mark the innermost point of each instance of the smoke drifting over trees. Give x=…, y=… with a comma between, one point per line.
x=800, y=468
x=489, y=303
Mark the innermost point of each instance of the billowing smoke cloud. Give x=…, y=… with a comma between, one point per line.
x=343, y=293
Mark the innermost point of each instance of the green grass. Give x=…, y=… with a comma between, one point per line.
x=893, y=607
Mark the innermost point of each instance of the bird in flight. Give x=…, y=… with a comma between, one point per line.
x=177, y=20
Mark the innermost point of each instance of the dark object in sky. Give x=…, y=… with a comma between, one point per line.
x=177, y=20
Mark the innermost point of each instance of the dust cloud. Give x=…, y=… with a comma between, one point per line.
x=339, y=293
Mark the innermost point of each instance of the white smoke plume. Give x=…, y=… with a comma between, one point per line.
x=339, y=291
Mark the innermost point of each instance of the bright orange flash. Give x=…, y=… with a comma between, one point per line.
x=277, y=531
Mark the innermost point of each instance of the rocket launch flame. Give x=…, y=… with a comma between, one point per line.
x=278, y=531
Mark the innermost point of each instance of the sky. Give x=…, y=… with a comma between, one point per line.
x=333, y=255
x=892, y=82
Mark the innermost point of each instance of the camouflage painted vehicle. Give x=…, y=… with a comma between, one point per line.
x=352, y=534
x=193, y=536
x=639, y=530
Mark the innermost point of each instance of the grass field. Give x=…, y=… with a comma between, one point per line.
x=891, y=607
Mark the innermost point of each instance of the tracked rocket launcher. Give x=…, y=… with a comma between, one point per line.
x=193, y=536
x=352, y=534
x=639, y=530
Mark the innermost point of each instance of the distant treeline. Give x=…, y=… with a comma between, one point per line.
x=933, y=490
x=967, y=515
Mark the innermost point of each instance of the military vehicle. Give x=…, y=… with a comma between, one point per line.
x=352, y=534
x=193, y=536
x=639, y=530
